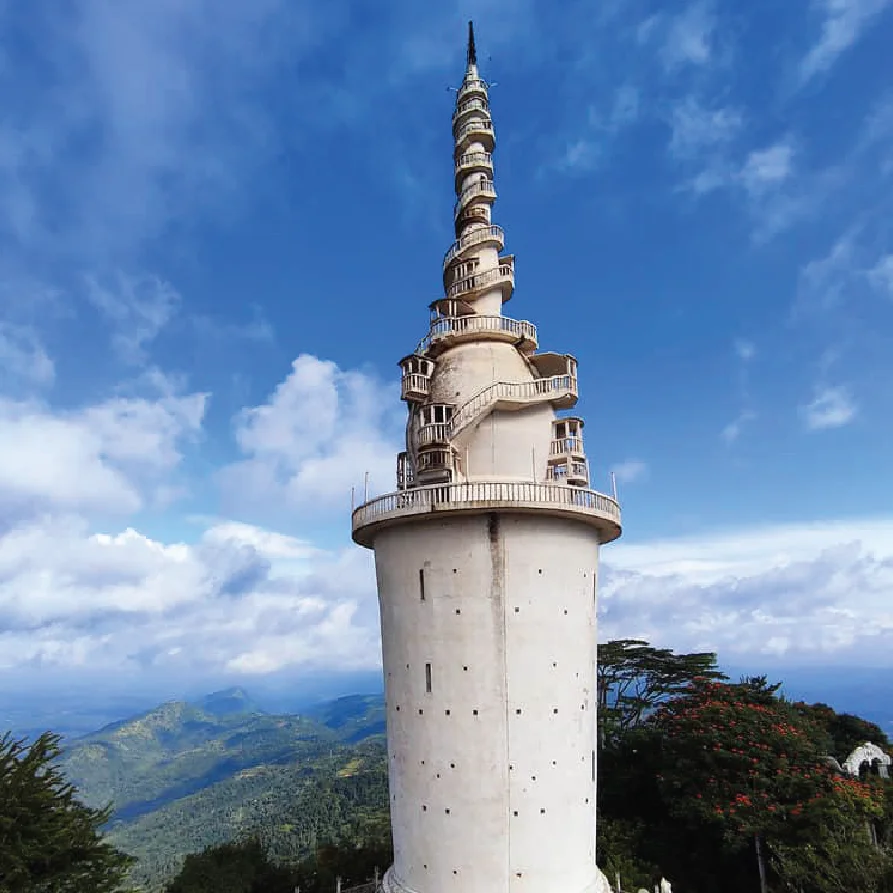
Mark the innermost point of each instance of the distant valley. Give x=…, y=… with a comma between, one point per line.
x=186, y=775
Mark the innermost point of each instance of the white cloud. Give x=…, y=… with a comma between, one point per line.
x=688, y=37
x=315, y=437
x=137, y=307
x=696, y=129
x=816, y=591
x=844, y=274
x=99, y=458
x=630, y=471
x=843, y=22
x=824, y=282
x=247, y=600
x=745, y=350
x=881, y=275
x=139, y=116
x=832, y=407
x=733, y=430
x=241, y=599
x=767, y=167
x=22, y=356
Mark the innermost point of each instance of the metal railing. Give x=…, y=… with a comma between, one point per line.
x=481, y=187
x=448, y=326
x=477, y=281
x=575, y=470
x=476, y=125
x=566, y=445
x=472, y=84
x=414, y=383
x=485, y=494
x=540, y=389
x=490, y=233
x=468, y=105
x=435, y=433
x=474, y=159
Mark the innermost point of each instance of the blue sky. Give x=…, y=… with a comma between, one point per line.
x=223, y=223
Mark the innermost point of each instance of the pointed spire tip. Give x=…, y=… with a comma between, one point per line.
x=472, y=53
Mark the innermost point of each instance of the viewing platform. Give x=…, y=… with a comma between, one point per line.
x=450, y=330
x=502, y=277
x=485, y=189
x=490, y=233
x=471, y=86
x=477, y=130
x=587, y=506
x=476, y=104
x=473, y=163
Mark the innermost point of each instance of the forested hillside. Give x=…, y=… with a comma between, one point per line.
x=185, y=776
x=711, y=783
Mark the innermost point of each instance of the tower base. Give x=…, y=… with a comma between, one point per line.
x=389, y=884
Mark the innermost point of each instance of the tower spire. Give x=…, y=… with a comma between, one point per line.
x=472, y=54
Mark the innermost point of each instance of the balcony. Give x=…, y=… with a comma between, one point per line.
x=471, y=163
x=473, y=215
x=415, y=382
x=436, y=434
x=405, y=475
x=475, y=237
x=501, y=277
x=436, y=466
x=449, y=330
x=415, y=387
x=481, y=189
x=469, y=87
x=477, y=130
x=436, y=502
x=566, y=446
x=470, y=105
x=569, y=471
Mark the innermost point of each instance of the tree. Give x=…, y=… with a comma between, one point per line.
x=738, y=758
x=50, y=842
x=237, y=867
x=845, y=731
x=633, y=677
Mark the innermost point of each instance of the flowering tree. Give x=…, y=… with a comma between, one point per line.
x=738, y=758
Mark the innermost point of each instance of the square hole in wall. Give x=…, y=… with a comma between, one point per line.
x=475, y=712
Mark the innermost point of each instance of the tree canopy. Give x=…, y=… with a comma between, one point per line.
x=50, y=842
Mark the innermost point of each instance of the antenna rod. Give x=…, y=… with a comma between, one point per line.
x=472, y=53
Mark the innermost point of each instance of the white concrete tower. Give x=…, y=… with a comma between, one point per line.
x=486, y=558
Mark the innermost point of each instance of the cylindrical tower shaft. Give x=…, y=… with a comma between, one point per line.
x=486, y=561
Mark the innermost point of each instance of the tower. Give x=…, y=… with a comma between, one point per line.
x=486, y=560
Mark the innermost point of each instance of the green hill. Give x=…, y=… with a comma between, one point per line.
x=183, y=776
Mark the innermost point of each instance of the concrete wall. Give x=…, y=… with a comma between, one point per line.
x=491, y=772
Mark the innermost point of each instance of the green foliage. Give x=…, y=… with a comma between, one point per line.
x=240, y=867
x=844, y=731
x=245, y=866
x=178, y=749
x=50, y=842
x=633, y=678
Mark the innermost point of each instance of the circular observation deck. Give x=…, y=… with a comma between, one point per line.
x=449, y=330
x=484, y=235
x=477, y=130
x=440, y=500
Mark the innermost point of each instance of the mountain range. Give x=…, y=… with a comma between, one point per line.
x=186, y=775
